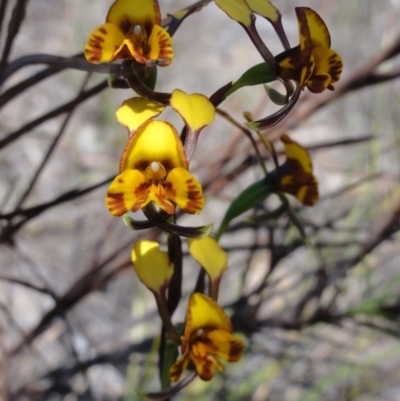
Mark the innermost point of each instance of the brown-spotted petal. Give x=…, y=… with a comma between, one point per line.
x=160, y=46
x=103, y=43
x=182, y=188
x=327, y=69
x=127, y=192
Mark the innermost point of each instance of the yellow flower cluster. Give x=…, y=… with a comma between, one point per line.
x=154, y=166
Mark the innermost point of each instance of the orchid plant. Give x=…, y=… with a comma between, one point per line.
x=154, y=169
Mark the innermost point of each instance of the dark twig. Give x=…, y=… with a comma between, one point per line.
x=50, y=150
x=17, y=18
x=3, y=7
x=53, y=113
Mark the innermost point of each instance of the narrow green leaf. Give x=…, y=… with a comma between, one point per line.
x=256, y=75
x=250, y=197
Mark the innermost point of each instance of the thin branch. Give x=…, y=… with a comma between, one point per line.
x=18, y=16
x=52, y=114
x=50, y=150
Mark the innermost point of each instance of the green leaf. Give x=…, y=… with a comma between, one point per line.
x=276, y=96
x=256, y=75
x=151, y=79
x=250, y=197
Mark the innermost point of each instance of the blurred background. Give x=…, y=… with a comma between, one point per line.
x=321, y=320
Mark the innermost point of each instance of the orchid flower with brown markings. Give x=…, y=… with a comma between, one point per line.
x=132, y=32
x=207, y=337
x=154, y=164
x=312, y=63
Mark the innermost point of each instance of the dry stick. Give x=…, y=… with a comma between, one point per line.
x=75, y=62
x=3, y=7
x=26, y=284
x=82, y=287
x=7, y=234
x=53, y=113
x=34, y=211
x=50, y=150
x=17, y=89
x=18, y=15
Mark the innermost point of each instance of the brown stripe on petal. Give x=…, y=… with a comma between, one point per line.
x=318, y=83
x=235, y=350
x=196, y=199
x=206, y=368
x=103, y=30
x=115, y=203
x=170, y=189
x=335, y=67
x=142, y=188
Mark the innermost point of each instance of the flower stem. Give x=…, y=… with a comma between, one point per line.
x=162, y=307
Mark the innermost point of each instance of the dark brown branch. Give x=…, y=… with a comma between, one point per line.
x=50, y=150
x=53, y=113
x=18, y=16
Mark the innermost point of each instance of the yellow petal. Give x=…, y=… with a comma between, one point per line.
x=127, y=13
x=137, y=110
x=154, y=141
x=179, y=366
x=224, y=345
x=103, y=43
x=210, y=255
x=304, y=35
x=127, y=192
x=297, y=152
x=195, y=109
x=160, y=46
x=183, y=189
x=238, y=10
x=264, y=8
x=327, y=69
x=152, y=265
x=319, y=32
x=203, y=312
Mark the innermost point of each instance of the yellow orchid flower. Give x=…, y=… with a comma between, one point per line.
x=132, y=32
x=207, y=337
x=312, y=63
x=296, y=174
x=153, y=167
